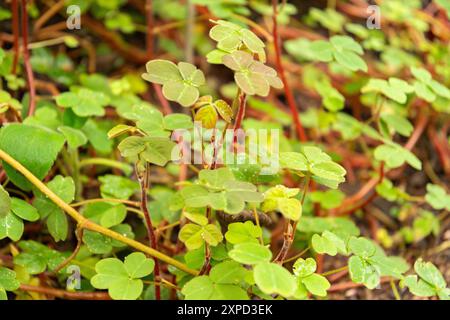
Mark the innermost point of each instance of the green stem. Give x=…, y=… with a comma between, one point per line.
x=328, y=273
x=395, y=290
x=87, y=224
x=126, y=168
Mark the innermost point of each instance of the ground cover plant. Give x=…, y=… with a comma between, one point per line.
x=227, y=149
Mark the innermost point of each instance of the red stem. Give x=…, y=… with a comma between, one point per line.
x=150, y=231
x=289, y=96
x=26, y=59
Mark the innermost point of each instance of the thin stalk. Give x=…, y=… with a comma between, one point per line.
x=87, y=224
x=79, y=235
x=15, y=28
x=395, y=290
x=188, y=47
x=255, y=213
x=84, y=202
x=150, y=231
x=291, y=227
x=26, y=59
x=330, y=272
x=287, y=91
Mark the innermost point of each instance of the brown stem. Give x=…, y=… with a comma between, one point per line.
x=291, y=227
x=79, y=235
x=150, y=231
x=26, y=58
x=287, y=91
x=63, y=294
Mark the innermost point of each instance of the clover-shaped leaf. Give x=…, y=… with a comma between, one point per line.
x=122, y=279
x=36, y=257
x=429, y=281
x=395, y=155
x=332, y=99
x=253, y=77
x=313, y=161
x=180, y=83
x=220, y=190
x=308, y=280
x=342, y=49
x=208, y=111
x=240, y=232
x=280, y=198
x=394, y=88
x=156, y=150
x=426, y=87
x=328, y=243
x=194, y=235
x=230, y=37
x=84, y=102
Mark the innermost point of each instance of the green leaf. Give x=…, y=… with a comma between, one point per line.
x=117, y=187
x=395, y=89
x=199, y=288
x=131, y=146
x=253, y=77
x=122, y=279
x=250, y=253
x=293, y=161
x=208, y=117
x=429, y=273
x=343, y=49
x=64, y=187
x=84, y=102
x=177, y=121
x=161, y=71
x=75, y=138
x=38, y=159
x=394, y=156
x=191, y=235
x=316, y=284
x=138, y=265
x=437, y=197
x=11, y=226
x=36, y=257
x=272, y=278
x=216, y=178
x=211, y=234
x=158, y=150
x=119, y=130
x=228, y=292
x=323, y=245
x=24, y=210
x=96, y=242
x=57, y=225
x=180, y=82
x=303, y=268
x=8, y=280
x=279, y=198
x=5, y=202
x=240, y=232
x=228, y=272
x=362, y=247
x=362, y=272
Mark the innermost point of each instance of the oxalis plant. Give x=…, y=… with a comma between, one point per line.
x=178, y=205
